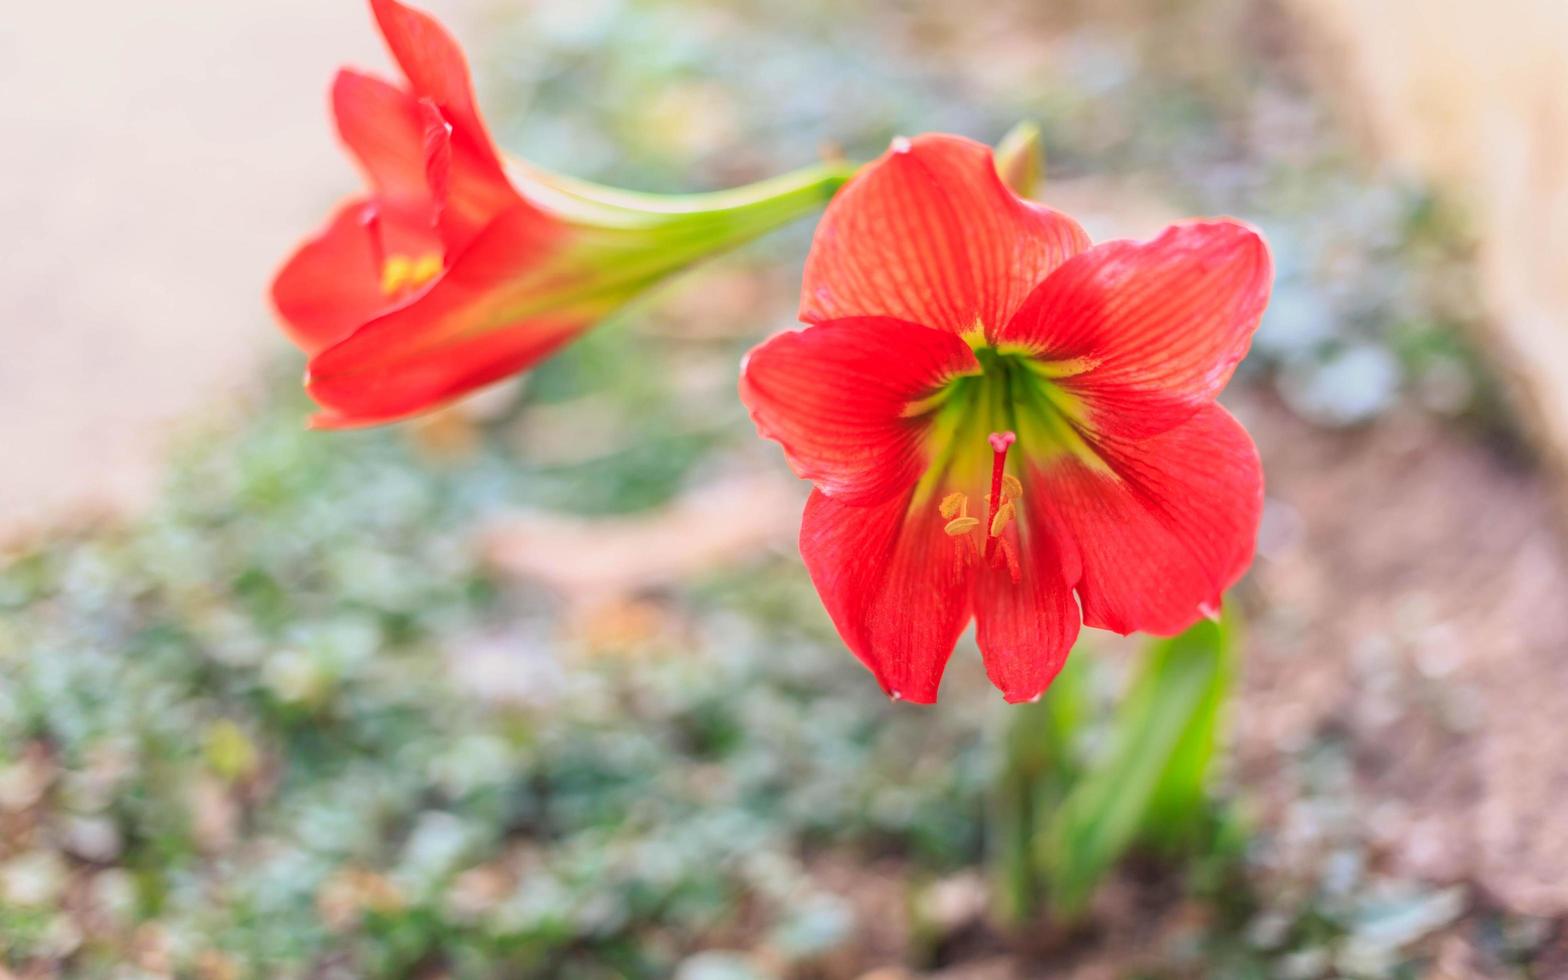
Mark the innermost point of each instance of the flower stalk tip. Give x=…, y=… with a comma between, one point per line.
x=1020, y=159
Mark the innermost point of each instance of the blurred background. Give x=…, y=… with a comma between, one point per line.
x=538, y=687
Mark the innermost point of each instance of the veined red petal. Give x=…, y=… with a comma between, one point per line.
x=477, y=323
x=1166, y=526
x=894, y=584
x=1025, y=627
x=838, y=398
x=928, y=233
x=1151, y=331
x=381, y=125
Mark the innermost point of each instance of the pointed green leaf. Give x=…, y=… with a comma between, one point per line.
x=1160, y=746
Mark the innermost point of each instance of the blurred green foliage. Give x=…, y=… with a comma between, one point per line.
x=288, y=724
x=256, y=701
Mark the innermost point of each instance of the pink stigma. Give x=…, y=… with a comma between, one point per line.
x=1000, y=443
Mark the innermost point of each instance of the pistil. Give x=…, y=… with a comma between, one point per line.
x=998, y=517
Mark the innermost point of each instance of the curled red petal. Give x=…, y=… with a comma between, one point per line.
x=1163, y=528
x=457, y=151
x=481, y=320
x=894, y=584
x=468, y=194
x=436, y=69
x=838, y=398
x=930, y=234
x=1150, y=331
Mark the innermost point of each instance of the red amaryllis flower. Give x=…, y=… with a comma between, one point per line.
x=458, y=268
x=997, y=416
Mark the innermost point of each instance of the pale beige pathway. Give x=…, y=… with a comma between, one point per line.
x=157, y=159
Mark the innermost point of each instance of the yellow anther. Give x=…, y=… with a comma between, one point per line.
x=959, y=526
x=953, y=505
x=1011, y=488
x=400, y=272
x=999, y=523
x=395, y=273
x=426, y=268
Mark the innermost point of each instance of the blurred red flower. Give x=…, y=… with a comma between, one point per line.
x=458, y=267
x=996, y=415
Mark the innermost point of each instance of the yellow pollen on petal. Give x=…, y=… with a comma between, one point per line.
x=395, y=273
x=1004, y=516
x=1011, y=488
x=959, y=526
x=401, y=272
x=953, y=505
x=426, y=268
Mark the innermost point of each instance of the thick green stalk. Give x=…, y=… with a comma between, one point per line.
x=622, y=242
x=1039, y=764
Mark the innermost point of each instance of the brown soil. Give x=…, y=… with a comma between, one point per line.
x=1414, y=597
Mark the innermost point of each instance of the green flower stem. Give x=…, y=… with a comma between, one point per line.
x=1062, y=820
x=621, y=243
x=1039, y=765
x=780, y=198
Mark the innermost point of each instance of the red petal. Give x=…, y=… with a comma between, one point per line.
x=1159, y=326
x=836, y=398
x=928, y=233
x=381, y=124
x=1025, y=628
x=1166, y=531
x=449, y=125
x=435, y=68
x=894, y=584
x=481, y=321
x=331, y=285
x=332, y=282
x=468, y=194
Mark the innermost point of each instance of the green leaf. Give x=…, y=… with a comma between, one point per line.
x=1175, y=814
x=1151, y=776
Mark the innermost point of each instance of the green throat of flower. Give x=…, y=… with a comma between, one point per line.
x=1011, y=392
x=988, y=430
